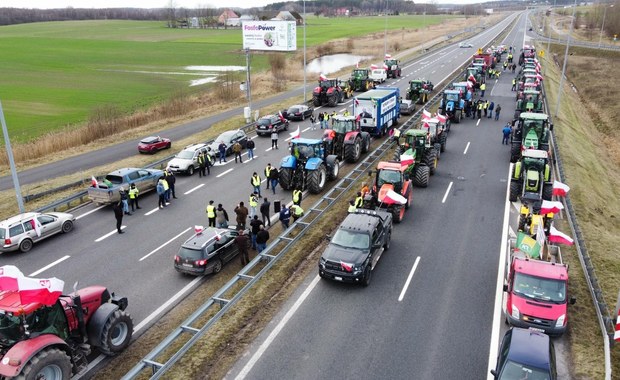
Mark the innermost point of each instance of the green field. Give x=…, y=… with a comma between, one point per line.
x=56, y=74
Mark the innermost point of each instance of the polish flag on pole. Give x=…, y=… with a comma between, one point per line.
x=346, y=266
x=442, y=118
x=388, y=56
x=282, y=119
x=560, y=189
x=322, y=77
x=93, y=182
x=357, y=64
x=385, y=66
x=36, y=226
x=549, y=206
x=8, y=277
x=556, y=236
x=296, y=134
x=198, y=229
x=406, y=160
x=426, y=114
x=392, y=197
x=539, y=77
x=357, y=102
x=44, y=290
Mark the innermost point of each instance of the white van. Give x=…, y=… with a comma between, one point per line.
x=378, y=75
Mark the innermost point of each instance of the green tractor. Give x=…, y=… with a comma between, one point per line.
x=419, y=91
x=475, y=75
x=531, y=131
x=360, y=80
x=530, y=100
x=531, y=178
x=415, y=143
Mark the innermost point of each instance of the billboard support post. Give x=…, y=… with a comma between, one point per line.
x=248, y=88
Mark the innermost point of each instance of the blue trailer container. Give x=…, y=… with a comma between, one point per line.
x=377, y=110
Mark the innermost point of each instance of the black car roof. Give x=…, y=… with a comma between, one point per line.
x=364, y=220
x=207, y=236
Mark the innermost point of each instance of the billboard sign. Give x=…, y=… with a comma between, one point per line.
x=269, y=35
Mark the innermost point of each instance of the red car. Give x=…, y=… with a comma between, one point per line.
x=152, y=144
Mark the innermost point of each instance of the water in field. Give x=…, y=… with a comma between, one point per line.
x=328, y=64
x=209, y=74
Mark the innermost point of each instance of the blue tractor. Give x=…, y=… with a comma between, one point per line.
x=452, y=105
x=308, y=166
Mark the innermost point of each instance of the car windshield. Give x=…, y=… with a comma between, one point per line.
x=192, y=254
x=514, y=370
x=540, y=289
x=11, y=330
x=343, y=126
x=293, y=110
x=186, y=155
x=388, y=176
x=351, y=239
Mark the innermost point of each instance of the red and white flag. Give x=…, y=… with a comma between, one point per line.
x=549, y=206
x=93, y=181
x=388, y=56
x=426, y=114
x=556, y=236
x=198, y=229
x=373, y=67
x=540, y=234
x=471, y=79
x=346, y=266
x=539, y=77
x=357, y=102
x=392, y=197
x=296, y=134
x=442, y=118
x=617, y=332
x=560, y=189
x=322, y=77
x=357, y=64
x=282, y=119
x=39, y=290
x=385, y=66
x=36, y=226
x=406, y=160
x=8, y=277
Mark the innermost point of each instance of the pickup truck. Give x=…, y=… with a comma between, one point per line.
x=357, y=246
x=107, y=191
x=378, y=76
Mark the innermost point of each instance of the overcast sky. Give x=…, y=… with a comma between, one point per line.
x=157, y=3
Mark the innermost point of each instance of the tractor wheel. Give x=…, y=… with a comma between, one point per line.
x=515, y=191
x=286, y=178
x=437, y=147
x=332, y=174
x=353, y=152
x=398, y=213
x=396, y=156
x=547, y=192
x=67, y=226
x=367, y=275
x=443, y=140
x=408, y=96
x=515, y=152
x=386, y=246
x=409, y=198
x=457, y=117
x=366, y=144
x=50, y=364
x=316, y=101
x=116, y=333
x=317, y=179
x=422, y=173
x=332, y=100
x=431, y=160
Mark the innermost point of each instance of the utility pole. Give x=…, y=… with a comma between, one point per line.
x=549, y=31
x=385, y=35
x=9, y=152
x=600, y=39
x=572, y=23
x=305, y=26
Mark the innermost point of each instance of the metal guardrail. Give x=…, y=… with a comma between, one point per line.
x=606, y=322
x=289, y=237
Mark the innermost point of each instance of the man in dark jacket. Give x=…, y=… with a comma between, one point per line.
x=264, y=211
x=222, y=151
x=273, y=178
x=171, y=179
x=118, y=214
x=250, y=147
x=285, y=216
x=242, y=245
x=255, y=225
x=242, y=215
x=261, y=239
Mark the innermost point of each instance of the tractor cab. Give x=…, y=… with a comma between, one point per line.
x=465, y=88
x=305, y=149
x=452, y=95
x=344, y=124
x=390, y=176
x=327, y=83
x=360, y=73
x=536, y=171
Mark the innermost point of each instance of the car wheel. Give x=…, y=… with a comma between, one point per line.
x=169, y=145
x=217, y=266
x=367, y=276
x=25, y=245
x=67, y=226
x=190, y=170
x=303, y=116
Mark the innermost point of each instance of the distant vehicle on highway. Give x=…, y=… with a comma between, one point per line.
x=525, y=354
x=299, y=112
x=228, y=138
x=153, y=144
x=268, y=123
x=20, y=232
x=207, y=251
x=186, y=161
x=465, y=45
x=407, y=107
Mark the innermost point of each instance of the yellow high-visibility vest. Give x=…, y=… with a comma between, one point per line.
x=210, y=211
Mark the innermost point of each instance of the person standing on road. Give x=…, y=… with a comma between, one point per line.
x=261, y=239
x=242, y=215
x=312, y=121
x=253, y=204
x=321, y=118
x=480, y=107
x=133, y=197
x=514, y=67
x=297, y=212
x=274, y=139
x=514, y=84
x=242, y=245
x=264, y=211
x=255, y=225
x=124, y=201
x=211, y=213
x=171, y=179
x=161, y=192
x=285, y=216
x=255, y=182
x=118, y=214
x=359, y=200
x=352, y=207
x=497, y=111
x=297, y=195
x=506, y=132
x=474, y=108
x=164, y=181
x=491, y=107
x=486, y=108
x=267, y=173
x=222, y=151
x=236, y=148
x=331, y=117
x=250, y=147
x=326, y=120
x=201, y=164
x=483, y=88
x=221, y=217
x=273, y=178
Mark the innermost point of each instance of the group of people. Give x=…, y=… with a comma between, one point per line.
x=324, y=118
x=480, y=107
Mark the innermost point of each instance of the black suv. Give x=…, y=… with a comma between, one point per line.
x=356, y=247
x=268, y=123
x=207, y=251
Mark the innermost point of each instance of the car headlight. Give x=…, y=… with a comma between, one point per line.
x=322, y=262
x=560, y=321
x=515, y=312
x=357, y=269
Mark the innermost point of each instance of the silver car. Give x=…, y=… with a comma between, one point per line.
x=22, y=231
x=186, y=161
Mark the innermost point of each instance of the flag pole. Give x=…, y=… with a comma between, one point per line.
x=9, y=152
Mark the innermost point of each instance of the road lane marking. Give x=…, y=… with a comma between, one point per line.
x=447, y=192
x=152, y=211
x=192, y=190
x=289, y=314
x=466, y=148
x=48, y=266
x=499, y=286
x=402, y=293
x=109, y=234
x=165, y=244
x=90, y=212
x=478, y=123
x=224, y=173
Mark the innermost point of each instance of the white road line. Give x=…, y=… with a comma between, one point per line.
x=342, y=110
x=48, y=266
x=224, y=173
x=109, y=234
x=511, y=232
x=447, y=192
x=267, y=150
x=478, y=123
x=289, y=314
x=165, y=244
x=402, y=293
x=466, y=148
x=194, y=189
x=253, y=137
x=90, y=212
x=499, y=286
x=152, y=211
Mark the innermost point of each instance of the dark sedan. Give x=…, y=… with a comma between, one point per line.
x=229, y=138
x=153, y=144
x=299, y=112
x=268, y=123
x=525, y=354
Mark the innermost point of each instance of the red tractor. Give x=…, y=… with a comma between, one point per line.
x=43, y=341
x=328, y=92
x=345, y=139
x=390, y=175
